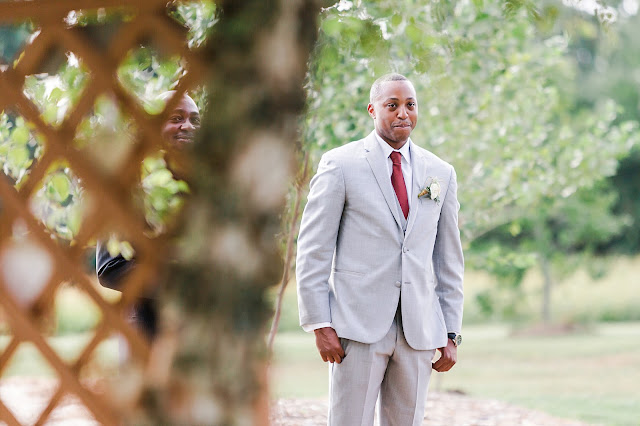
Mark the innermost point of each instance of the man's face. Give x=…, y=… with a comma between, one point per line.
x=182, y=122
x=395, y=112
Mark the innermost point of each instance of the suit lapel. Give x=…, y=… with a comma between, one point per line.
x=380, y=170
x=419, y=171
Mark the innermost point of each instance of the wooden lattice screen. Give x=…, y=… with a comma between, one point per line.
x=101, y=51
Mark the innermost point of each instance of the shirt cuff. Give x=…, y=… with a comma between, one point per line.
x=311, y=327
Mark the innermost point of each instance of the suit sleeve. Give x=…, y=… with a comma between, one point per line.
x=317, y=241
x=448, y=260
x=111, y=270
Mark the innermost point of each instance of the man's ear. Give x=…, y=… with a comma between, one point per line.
x=372, y=112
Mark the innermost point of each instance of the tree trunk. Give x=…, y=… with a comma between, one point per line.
x=543, y=243
x=546, y=291
x=227, y=255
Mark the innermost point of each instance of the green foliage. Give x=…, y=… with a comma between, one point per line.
x=609, y=67
x=565, y=233
x=147, y=75
x=59, y=202
x=508, y=265
x=164, y=195
x=56, y=94
x=19, y=147
x=115, y=247
x=199, y=17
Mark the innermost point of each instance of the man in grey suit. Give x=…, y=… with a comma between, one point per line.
x=380, y=265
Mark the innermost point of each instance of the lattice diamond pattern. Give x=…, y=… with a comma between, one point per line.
x=65, y=162
x=107, y=136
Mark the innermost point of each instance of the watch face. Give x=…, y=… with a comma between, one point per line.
x=458, y=340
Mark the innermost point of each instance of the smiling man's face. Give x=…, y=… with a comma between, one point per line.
x=182, y=122
x=395, y=112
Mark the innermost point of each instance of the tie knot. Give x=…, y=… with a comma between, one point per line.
x=396, y=157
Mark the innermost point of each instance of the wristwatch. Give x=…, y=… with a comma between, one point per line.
x=455, y=338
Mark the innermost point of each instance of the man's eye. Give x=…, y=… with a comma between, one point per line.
x=412, y=104
x=195, y=121
x=391, y=105
x=175, y=119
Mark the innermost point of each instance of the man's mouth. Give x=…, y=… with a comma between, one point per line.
x=184, y=138
x=402, y=125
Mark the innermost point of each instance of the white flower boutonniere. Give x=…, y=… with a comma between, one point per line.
x=431, y=190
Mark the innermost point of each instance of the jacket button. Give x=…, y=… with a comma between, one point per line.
x=405, y=250
x=398, y=284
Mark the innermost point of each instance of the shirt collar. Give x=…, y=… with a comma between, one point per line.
x=386, y=148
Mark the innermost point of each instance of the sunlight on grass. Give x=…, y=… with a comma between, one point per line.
x=577, y=375
x=27, y=361
x=591, y=374
x=576, y=298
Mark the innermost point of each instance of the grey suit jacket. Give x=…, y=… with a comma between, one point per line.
x=355, y=263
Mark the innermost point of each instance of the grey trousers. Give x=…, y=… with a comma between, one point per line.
x=389, y=369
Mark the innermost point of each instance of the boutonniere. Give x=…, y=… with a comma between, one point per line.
x=431, y=190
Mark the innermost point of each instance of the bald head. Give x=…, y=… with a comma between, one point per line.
x=182, y=121
x=376, y=87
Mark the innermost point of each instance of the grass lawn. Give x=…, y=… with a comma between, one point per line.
x=27, y=360
x=593, y=375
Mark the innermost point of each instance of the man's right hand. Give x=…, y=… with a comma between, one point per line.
x=329, y=345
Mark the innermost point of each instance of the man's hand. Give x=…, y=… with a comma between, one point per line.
x=448, y=357
x=329, y=345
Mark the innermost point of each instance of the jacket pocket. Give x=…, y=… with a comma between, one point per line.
x=347, y=272
x=438, y=309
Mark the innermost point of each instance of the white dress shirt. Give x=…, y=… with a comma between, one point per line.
x=407, y=174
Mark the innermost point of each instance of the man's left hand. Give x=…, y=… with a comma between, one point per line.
x=448, y=357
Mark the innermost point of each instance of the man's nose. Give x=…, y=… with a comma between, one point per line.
x=402, y=112
x=187, y=125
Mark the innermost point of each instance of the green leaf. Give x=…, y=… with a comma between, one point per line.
x=183, y=186
x=20, y=135
x=159, y=177
x=159, y=197
x=59, y=187
x=50, y=114
x=56, y=94
x=332, y=27
x=414, y=33
x=154, y=107
x=127, y=250
x=18, y=157
x=113, y=246
x=396, y=20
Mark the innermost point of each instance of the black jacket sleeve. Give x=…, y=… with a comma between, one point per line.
x=111, y=270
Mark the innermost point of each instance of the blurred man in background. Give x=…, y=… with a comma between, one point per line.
x=179, y=128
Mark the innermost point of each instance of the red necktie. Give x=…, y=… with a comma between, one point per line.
x=397, y=180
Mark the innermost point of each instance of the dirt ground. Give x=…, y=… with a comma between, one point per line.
x=27, y=397
x=443, y=409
